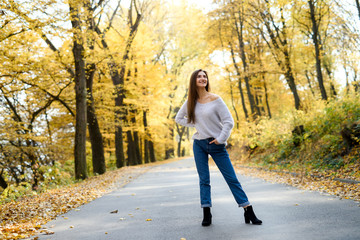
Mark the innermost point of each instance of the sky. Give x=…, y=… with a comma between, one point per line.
x=205, y=4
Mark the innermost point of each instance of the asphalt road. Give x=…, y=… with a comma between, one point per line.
x=164, y=204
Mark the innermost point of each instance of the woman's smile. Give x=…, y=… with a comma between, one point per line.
x=201, y=79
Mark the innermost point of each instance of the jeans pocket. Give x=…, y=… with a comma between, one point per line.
x=217, y=147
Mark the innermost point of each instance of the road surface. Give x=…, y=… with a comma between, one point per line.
x=163, y=204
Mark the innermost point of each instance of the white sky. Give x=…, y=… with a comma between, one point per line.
x=205, y=4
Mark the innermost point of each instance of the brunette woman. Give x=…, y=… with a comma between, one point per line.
x=210, y=116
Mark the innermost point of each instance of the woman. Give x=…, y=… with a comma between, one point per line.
x=210, y=116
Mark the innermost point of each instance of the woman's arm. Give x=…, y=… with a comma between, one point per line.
x=181, y=116
x=227, y=122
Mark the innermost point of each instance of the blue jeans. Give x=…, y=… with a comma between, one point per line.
x=202, y=149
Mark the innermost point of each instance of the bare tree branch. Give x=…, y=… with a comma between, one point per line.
x=12, y=34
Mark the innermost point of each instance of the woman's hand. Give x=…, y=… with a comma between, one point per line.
x=214, y=141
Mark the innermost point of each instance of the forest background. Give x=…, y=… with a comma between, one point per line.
x=91, y=85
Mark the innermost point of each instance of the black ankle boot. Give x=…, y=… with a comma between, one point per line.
x=207, y=217
x=250, y=216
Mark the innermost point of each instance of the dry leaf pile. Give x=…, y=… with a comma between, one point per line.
x=25, y=217
x=325, y=183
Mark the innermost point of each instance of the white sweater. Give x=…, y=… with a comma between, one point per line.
x=212, y=119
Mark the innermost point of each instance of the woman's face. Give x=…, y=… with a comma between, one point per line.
x=201, y=79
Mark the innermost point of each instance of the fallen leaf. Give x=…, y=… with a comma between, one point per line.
x=149, y=219
x=20, y=218
x=115, y=211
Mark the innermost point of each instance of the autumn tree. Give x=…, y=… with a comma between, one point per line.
x=30, y=91
x=185, y=51
x=117, y=69
x=275, y=33
x=322, y=23
x=39, y=27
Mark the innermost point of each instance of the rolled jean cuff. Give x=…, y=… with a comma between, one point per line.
x=244, y=204
x=206, y=205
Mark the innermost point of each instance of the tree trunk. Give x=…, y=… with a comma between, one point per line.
x=131, y=152
x=266, y=98
x=146, y=141
x=118, y=82
x=137, y=147
x=180, y=131
x=169, y=150
x=358, y=7
x=97, y=145
x=149, y=143
x=239, y=84
x=179, y=149
x=136, y=140
x=239, y=32
x=263, y=78
x=141, y=142
x=146, y=151
x=309, y=82
x=3, y=183
x=119, y=147
x=333, y=92
x=355, y=82
x=291, y=80
x=152, y=151
x=233, y=104
x=315, y=38
x=80, y=93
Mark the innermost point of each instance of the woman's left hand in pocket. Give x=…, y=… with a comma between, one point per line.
x=214, y=141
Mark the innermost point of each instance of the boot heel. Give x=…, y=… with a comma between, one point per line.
x=250, y=216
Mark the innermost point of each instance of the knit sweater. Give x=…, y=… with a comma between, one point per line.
x=212, y=119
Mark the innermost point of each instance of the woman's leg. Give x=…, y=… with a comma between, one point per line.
x=222, y=160
x=202, y=166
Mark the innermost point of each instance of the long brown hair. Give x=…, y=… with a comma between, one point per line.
x=193, y=94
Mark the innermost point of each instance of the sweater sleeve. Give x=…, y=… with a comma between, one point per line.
x=226, y=120
x=181, y=116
